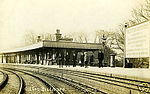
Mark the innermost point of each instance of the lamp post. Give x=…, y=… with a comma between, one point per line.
x=104, y=38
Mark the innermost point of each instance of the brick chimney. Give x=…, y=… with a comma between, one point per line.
x=58, y=35
x=38, y=38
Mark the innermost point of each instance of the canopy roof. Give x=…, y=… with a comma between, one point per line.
x=55, y=44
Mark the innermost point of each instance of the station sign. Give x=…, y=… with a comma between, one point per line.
x=137, y=41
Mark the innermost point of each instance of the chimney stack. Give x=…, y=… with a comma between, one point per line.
x=58, y=35
x=39, y=39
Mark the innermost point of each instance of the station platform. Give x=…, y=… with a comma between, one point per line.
x=116, y=71
x=135, y=73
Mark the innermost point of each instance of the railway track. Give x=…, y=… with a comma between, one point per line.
x=131, y=85
x=4, y=80
x=79, y=80
x=50, y=87
x=83, y=88
x=78, y=85
x=9, y=86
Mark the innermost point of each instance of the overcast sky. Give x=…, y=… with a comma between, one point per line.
x=18, y=17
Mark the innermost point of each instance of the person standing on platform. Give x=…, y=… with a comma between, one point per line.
x=74, y=60
x=100, y=58
x=60, y=60
x=67, y=59
x=86, y=58
x=53, y=58
x=91, y=59
x=82, y=59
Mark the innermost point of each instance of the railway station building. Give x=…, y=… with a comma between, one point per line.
x=47, y=52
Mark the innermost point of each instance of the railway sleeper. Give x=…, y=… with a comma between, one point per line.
x=55, y=91
x=77, y=86
x=68, y=82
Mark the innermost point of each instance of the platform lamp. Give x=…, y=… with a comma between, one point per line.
x=104, y=38
x=124, y=59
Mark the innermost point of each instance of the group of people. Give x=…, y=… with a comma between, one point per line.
x=84, y=59
x=87, y=60
x=67, y=60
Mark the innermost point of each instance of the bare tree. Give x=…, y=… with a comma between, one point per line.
x=47, y=36
x=120, y=37
x=79, y=37
x=109, y=43
x=31, y=37
x=140, y=13
x=98, y=36
x=109, y=35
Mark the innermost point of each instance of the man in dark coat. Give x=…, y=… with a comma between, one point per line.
x=86, y=59
x=67, y=59
x=60, y=60
x=82, y=59
x=100, y=58
x=91, y=60
x=74, y=60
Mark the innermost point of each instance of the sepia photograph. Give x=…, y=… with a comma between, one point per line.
x=74, y=46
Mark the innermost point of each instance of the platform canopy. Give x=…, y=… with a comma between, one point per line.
x=55, y=44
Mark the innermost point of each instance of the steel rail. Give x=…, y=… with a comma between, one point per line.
x=78, y=85
x=50, y=86
x=22, y=85
x=4, y=81
x=106, y=79
x=99, y=76
x=96, y=74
